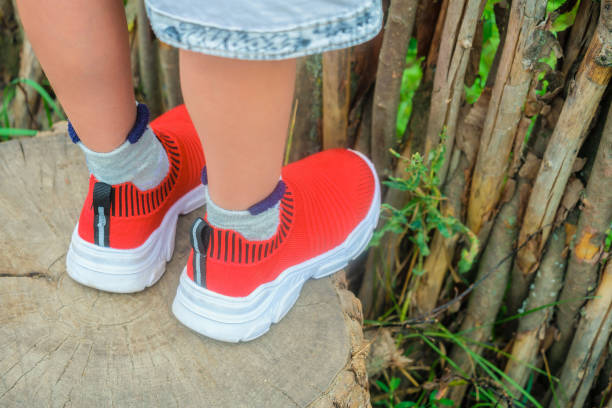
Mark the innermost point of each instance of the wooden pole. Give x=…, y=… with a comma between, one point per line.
x=336, y=97
x=581, y=103
x=398, y=29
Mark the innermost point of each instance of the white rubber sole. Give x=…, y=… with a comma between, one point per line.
x=130, y=270
x=234, y=319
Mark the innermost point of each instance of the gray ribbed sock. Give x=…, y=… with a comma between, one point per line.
x=144, y=163
x=253, y=225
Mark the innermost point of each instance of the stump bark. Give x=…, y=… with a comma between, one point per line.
x=63, y=344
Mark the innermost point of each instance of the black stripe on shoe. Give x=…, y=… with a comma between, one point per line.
x=125, y=200
x=200, y=238
x=102, y=202
x=226, y=245
x=120, y=201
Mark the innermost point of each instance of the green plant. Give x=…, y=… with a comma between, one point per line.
x=423, y=212
x=8, y=94
x=416, y=222
x=389, y=390
x=495, y=377
x=608, y=239
x=390, y=398
x=411, y=79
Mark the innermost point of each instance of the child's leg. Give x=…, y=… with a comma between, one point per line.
x=241, y=110
x=83, y=48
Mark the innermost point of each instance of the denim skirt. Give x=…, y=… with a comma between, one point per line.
x=264, y=29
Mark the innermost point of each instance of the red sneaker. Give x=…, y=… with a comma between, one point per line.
x=125, y=236
x=233, y=289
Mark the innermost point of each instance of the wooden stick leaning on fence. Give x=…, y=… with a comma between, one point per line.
x=392, y=61
x=448, y=87
x=486, y=299
x=501, y=125
x=591, y=337
x=539, y=305
x=582, y=272
x=582, y=102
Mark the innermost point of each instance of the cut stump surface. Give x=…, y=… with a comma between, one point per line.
x=66, y=345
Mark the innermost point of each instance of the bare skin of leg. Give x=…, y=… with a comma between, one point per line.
x=83, y=48
x=241, y=111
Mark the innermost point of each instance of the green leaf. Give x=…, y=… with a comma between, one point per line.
x=43, y=93
x=394, y=383
x=382, y=386
x=417, y=271
x=552, y=5
x=421, y=241
x=441, y=225
x=416, y=224
x=48, y=113
x=9, y=94
x=446, y=402
x=398, y=184
x=564, y=21
x=490, y=44
x=608, y=241
x=411, y=79
x=17, y=132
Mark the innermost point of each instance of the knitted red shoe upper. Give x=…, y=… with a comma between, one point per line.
x=135, y=214
x=328, y=195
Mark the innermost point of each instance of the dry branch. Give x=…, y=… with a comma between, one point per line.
x=595, y=219
x=398, y=29
x=25, y=104
x=502, y=16
x=169, y=76
x=533, y=326
x=580, y=34
x=379, y=260
x=336, y=97
x=364, y=64
x=591, y=337
x=6, y=8
x=363, y=137
x=573, y=124
x=603, y=389
x=487, y=297
x=501, y=126
x=459, y=27
x=426, y=20
x=306, y=137
x=147, y=61
x=416, y=131
x=528, y=171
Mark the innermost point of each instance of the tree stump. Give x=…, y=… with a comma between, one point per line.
x=63, y=344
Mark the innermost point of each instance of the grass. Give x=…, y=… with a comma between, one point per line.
x=392, y=400
x=490, y=385
x=8, y=94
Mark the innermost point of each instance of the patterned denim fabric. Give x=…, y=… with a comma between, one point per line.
x=277, y=38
